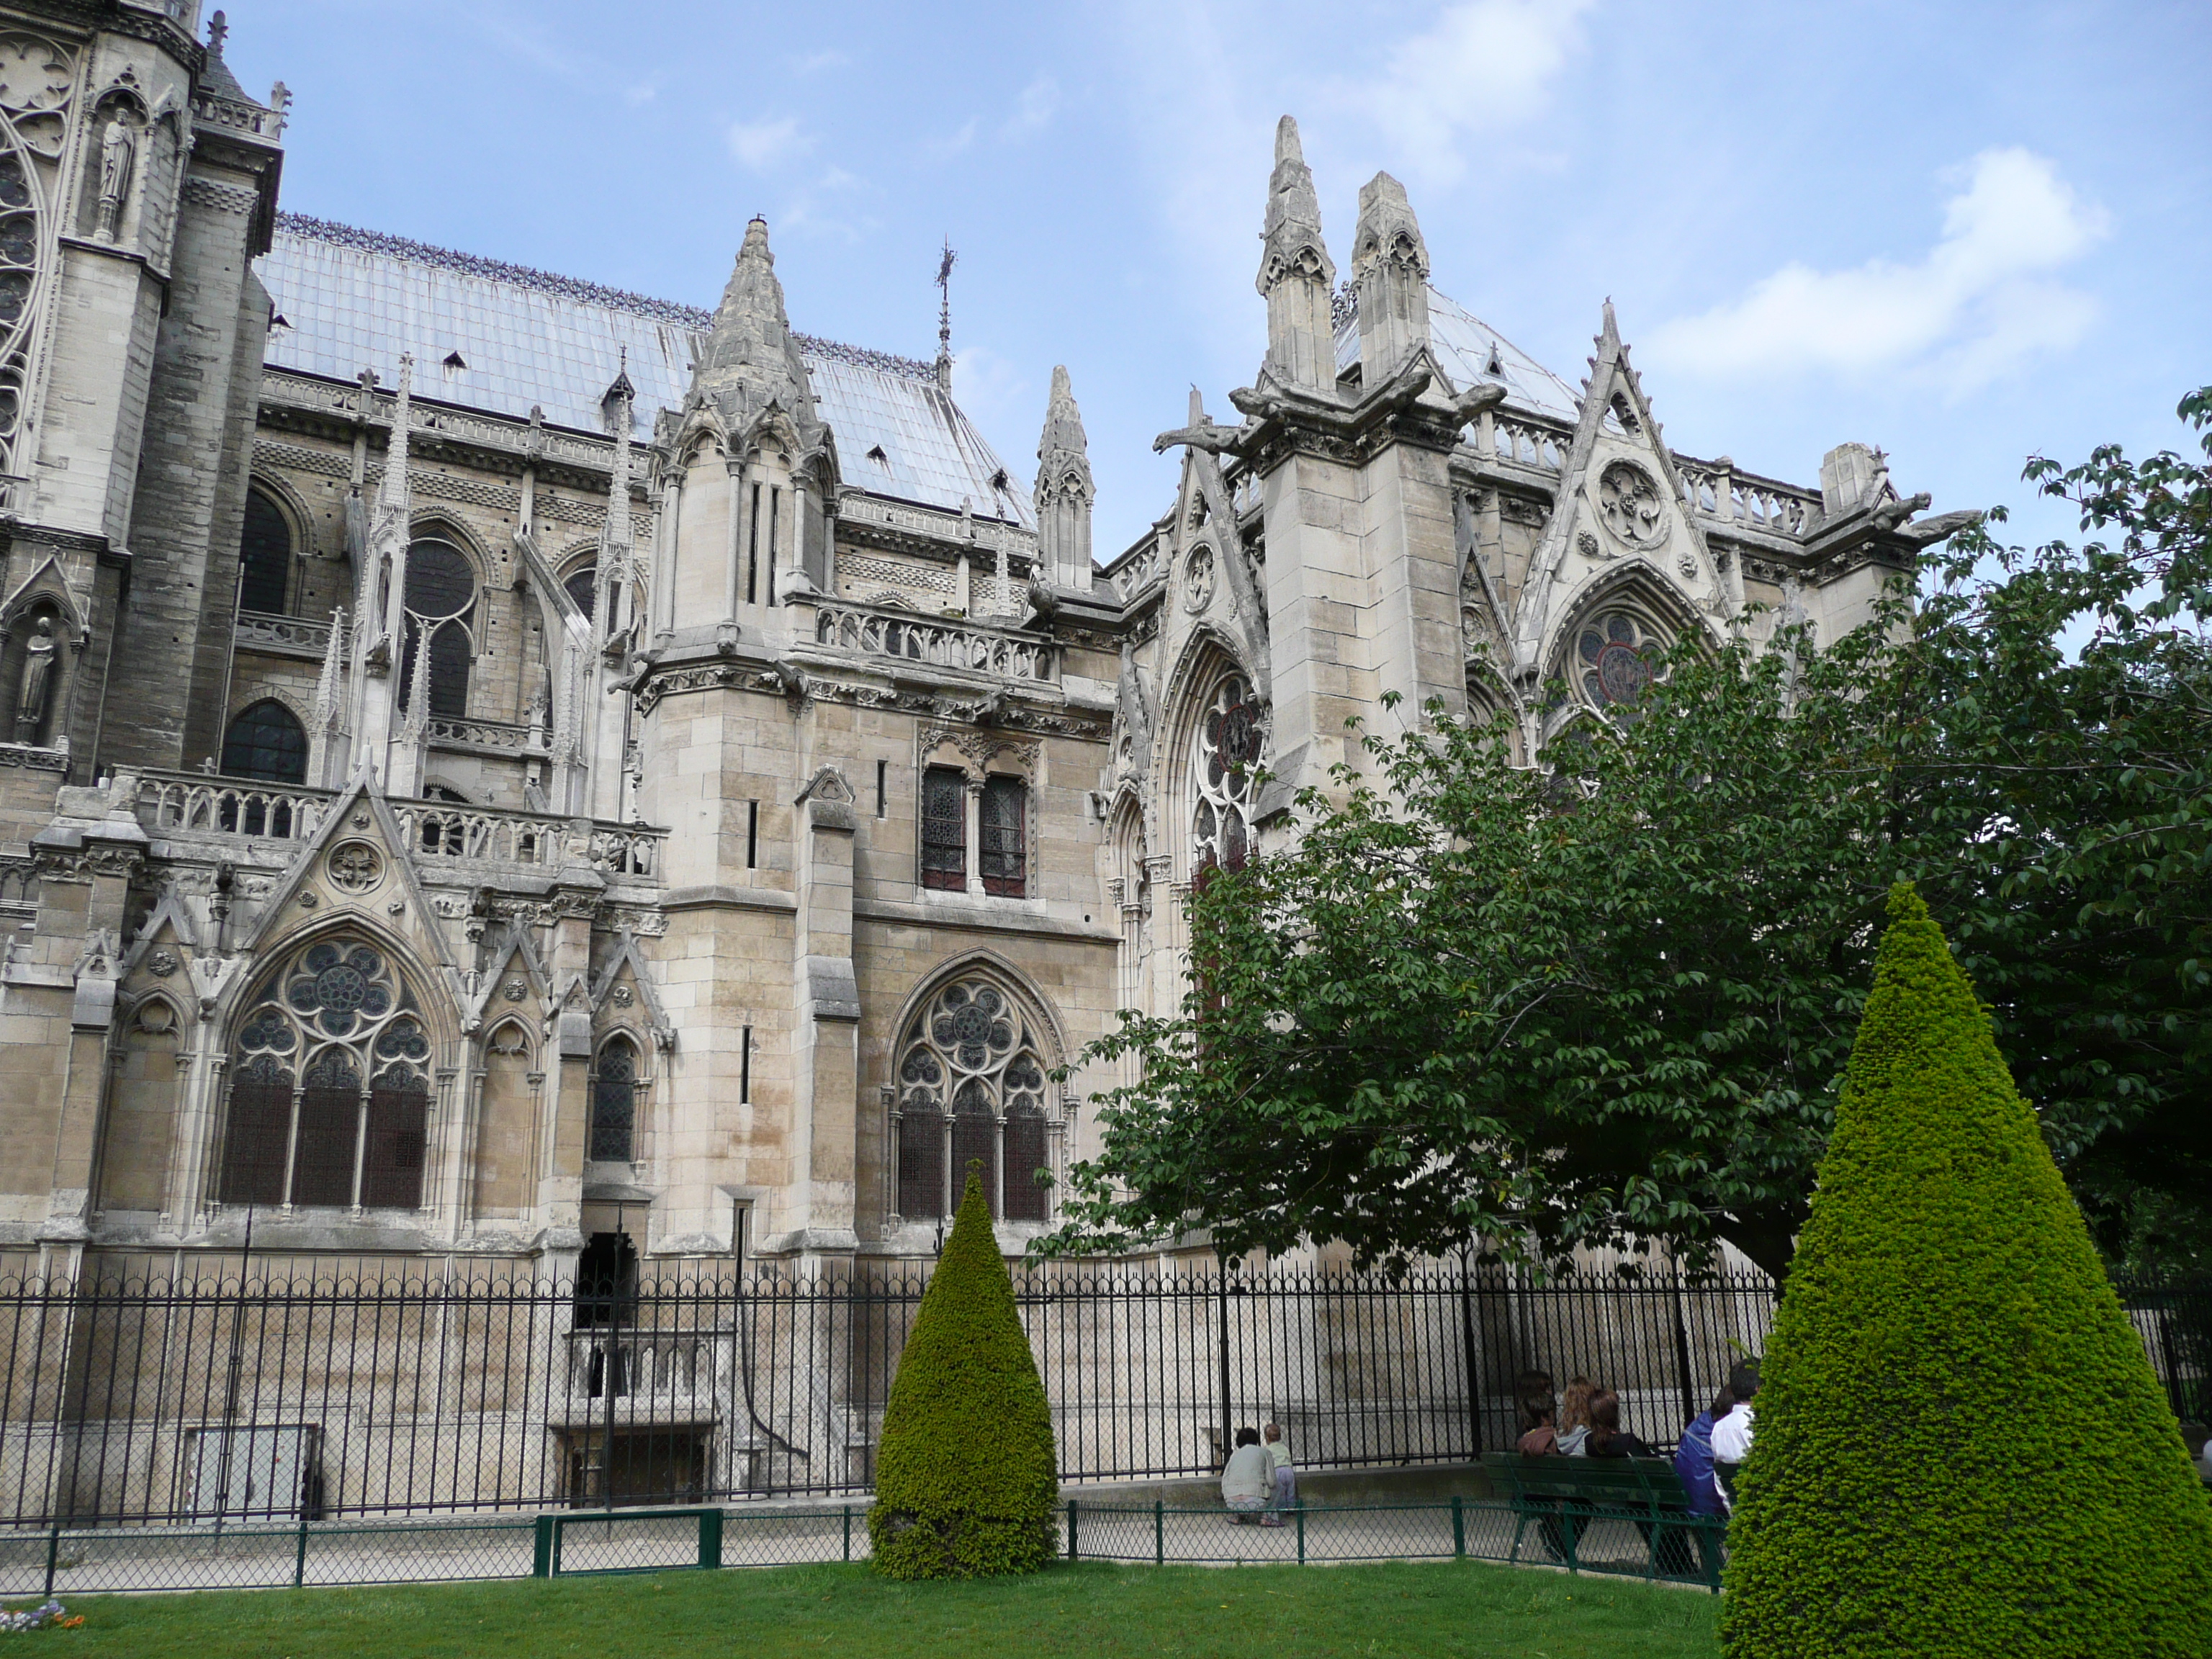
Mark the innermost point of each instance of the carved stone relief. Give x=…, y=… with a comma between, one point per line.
x=1631, y=502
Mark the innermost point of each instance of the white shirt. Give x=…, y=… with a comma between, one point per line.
x=1732, y=1436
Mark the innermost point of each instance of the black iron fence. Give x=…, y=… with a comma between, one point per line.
x=302, y=1395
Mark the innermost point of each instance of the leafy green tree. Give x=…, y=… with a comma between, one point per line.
x=1961, y=1447
x=1609, y=999
x=966, y=1475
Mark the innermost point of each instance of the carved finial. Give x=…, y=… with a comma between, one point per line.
x=218, y=26
x=750, y=360
x=1609, y=337
x=280, y=99
x=945, y=315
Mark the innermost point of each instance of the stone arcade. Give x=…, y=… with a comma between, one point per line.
x=499, y=762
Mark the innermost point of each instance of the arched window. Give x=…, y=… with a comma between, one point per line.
x=440, y=600
x=972, y=1072
x=264, y=556
x=1616, y=659
x=579, y=587
x=330, y=1095
x=1225, y=753
x=614, y=1102
x=266, y=743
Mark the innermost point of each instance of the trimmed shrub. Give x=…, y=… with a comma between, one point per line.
x=1961, y=1448
x=967, y=1476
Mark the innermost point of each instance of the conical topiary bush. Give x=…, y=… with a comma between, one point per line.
x=1961, y=1447
x=966, y=1476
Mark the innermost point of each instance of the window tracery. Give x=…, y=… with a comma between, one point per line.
x=37, y=80
x=1616, y=659
x=330, y=1085
x=971, y=1085
x=440, y=601
x=614, y=1102
x=1225, y=754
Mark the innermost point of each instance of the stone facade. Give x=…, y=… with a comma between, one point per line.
x=568, y=765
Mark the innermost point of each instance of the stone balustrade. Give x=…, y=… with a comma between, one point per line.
x=180, y=803
x=884, y=633
x=1527, y=444
x=19, y=888
x=505, y=736
x=1715, y=493
x=289, y=636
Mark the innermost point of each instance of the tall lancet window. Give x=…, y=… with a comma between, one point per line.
x=441, y=605
x=1225, y=754
x=330, y=1085
x=971, y=1088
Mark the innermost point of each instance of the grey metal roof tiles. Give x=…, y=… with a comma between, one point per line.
x=501, y=338
x=1465, y=347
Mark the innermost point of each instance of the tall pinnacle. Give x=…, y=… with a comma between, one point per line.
x=1064, y=490
x=751, y=359
x=1292, y=229
x=1390, y=267
x=1296, y=274
x=1063, y=421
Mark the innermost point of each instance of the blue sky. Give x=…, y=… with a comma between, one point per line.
x=1963, y=232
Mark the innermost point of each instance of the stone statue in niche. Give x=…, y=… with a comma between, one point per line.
x=119, y=153
x=38, y=682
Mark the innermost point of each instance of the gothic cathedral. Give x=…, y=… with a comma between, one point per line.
x=500, y=767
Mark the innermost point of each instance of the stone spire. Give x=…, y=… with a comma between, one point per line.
x=1390, y=268
x=1297, y=275
x=392, y=496
x=750, y=360
x=1064, y=491
x=621, y=398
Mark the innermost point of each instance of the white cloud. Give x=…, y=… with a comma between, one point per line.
x=1484, y=67
x=761, y=144
x=1978, y=305
x=1036, y=107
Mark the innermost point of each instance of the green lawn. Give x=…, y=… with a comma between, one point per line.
x=1421, y=1612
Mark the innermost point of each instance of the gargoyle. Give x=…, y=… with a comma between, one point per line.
x=1203, y=433
x=1929, y=531
x=1890, y=515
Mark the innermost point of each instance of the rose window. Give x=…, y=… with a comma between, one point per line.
x=972, y=1086
x=1616, y=660
x=330, y=1085
x=1227, y=755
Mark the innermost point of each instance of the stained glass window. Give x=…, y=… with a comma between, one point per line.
x=944, y=829
x=1616, y=659
x=580, y=585
x=264, y=556
x=972, y=1073
x=1226, y=756
x=1005, y=851
x=330, y=1085
x=440, y=600
x=266, y=743
x=614, y=1102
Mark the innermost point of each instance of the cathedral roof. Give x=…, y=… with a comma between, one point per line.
x=1465, y=347
x=503, y=338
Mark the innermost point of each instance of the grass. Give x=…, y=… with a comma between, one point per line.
x=1455, y=1611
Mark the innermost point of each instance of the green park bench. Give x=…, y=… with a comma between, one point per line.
x=1560, y=1497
